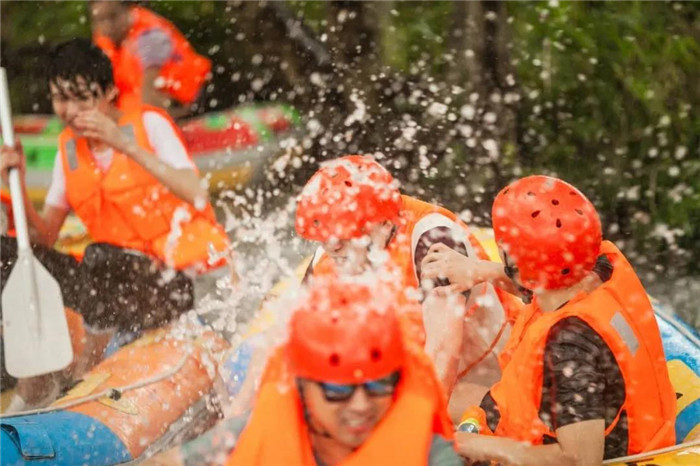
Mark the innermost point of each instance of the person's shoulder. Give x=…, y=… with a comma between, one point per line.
x=154, y=118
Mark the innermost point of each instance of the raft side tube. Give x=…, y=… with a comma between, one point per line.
x=60, y=438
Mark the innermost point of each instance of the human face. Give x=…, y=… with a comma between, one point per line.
x=511, y=271
x=70, y=98
x=350, y=255
x=348, y=413
x=111, y=19
x=353, y=255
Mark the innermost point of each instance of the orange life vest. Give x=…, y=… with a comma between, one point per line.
x=128, y=207
x=6, y=202
x=620, y=312
x=277, y=432
x=402, y=247
x=183, y=74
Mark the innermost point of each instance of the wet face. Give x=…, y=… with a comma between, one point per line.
x=351, y=422
x=353, y=255
x=350, y=255
x=70, y=98
x=111, y=19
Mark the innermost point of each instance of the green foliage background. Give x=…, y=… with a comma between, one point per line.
x=608, y=96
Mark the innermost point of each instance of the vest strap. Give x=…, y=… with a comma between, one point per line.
x=72, y=154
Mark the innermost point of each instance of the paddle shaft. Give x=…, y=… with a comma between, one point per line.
x=8, y=137
x=24, y=250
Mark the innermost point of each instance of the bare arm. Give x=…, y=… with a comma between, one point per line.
x=443, y=320
x=584, y=441
x=510, y=452
x=442, y=262
x=182, y=182
x=464, y=394
x=46, y=226
x=579, y=444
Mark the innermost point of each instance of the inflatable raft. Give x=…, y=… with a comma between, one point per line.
x=229, y=147
x=159, y=391
x=681, y=347
x=150, y=395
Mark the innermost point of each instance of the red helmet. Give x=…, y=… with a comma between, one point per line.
x=344, y=197
x=345, y=332
x=550, y=230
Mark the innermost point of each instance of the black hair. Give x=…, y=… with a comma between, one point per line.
x=80, y=58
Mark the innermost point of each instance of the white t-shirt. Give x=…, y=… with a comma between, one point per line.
x=161, y=136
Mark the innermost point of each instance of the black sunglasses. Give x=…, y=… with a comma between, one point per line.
x=510, y=271
x=336, y=393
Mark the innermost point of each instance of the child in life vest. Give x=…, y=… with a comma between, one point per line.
x=130, y=180
x=584, y=376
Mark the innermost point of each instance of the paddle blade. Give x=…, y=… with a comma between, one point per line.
x=36, y=341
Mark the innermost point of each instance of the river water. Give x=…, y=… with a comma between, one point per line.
x=267, y=250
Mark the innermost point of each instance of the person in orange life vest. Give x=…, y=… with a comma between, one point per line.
x=347, y=388
x=153, y=62
x=130, y=180
x=353, y=207
x=585, y=376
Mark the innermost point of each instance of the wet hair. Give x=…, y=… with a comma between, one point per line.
x=80, y=58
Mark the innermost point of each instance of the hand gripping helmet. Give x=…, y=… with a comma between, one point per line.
x=549, y=229
x=345, y=332
x=344, y=198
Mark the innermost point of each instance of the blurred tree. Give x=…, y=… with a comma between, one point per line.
x=458, y=97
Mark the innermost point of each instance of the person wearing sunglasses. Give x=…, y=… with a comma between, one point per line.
x=347, y=388
x=353, y=208
x=584, y=377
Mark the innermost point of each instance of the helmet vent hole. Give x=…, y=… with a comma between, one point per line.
x=375, y=355
x=558, y=223
x=505, y=191
x=334, y=360
x=579, y=211
x=565, y=271
x=535, y=214
x=530, y=193
x=555, y=202
x=317, y=222
x=348, y=183
x=572, y=193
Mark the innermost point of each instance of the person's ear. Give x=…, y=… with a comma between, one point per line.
x=112, y=94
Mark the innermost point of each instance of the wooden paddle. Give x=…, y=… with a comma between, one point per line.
x=35, y=331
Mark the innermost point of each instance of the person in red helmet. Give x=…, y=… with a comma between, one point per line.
x=347, y=388
x=353, y=207
x=584, y=376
